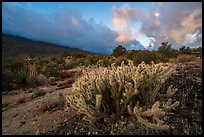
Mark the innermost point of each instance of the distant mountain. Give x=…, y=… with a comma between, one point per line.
x=135, y=45
x=17, y=47
x=150, y=47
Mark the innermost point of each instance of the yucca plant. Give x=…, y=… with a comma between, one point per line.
x=32, y=68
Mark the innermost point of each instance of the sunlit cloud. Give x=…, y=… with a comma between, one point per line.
x=123, y=21
x=172, y=22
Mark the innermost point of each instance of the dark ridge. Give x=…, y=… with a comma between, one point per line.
x=14, y=47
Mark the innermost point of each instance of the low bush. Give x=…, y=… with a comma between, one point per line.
x=52, y=67
x=119, y=60
x=14, y=75
x=66, y=83
x=66, y=74
x=38, y=93
x=74, y=63
x=21, y=98
x=105, y=62
x=92, y=59
x=185, y=58
x=51, y=103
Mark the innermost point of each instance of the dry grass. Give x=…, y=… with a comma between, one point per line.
x=66, y=83
x=5, y=102
x=66, y=74
x=22, y=98
x=185, y=58
x=38, y=93
x=16, y=99
x=172, y=60
x=51, y=103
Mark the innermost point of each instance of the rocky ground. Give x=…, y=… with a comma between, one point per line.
x=28, y=117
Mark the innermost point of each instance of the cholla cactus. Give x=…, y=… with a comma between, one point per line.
x=112, y=92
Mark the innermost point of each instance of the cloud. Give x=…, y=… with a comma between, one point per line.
x=177, y=21
x=193, y=21
x=122, y=22
x=65, y=26
x=167, y=21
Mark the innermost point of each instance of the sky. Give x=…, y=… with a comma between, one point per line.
x=101, y=26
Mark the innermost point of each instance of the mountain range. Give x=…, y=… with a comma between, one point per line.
x=14, y=47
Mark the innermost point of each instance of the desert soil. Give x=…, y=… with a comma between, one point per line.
x=26, y=117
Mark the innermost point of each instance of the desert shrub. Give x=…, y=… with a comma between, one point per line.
x=41, y=79
x=141, y=56
x=7, y=79
x=52, y=67
x=157, y=57
x=74, y=55
x=74, y=63
x=21, y=98
x=5, y=102
x=38, y=93
x=15, y=65
x=78, y=55
x=167, y=51
x=121, y=59
x=130, y=54
x=148, y=57
x=185, y=50
x=92, y=59
x=185, y=58
x=14, y=75
x=51, y=103
x=191, y=51
x=66, y=83
x=118, y=51
x=66, y=74
x=125, y=90
x=165, y=48
x=105, y=62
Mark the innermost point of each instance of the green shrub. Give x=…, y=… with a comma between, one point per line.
x=7, y=79
x=15, y=65
x=78, y=55
x=141, y=56
x=14, y=75
x=167, y=51
x=92, y=59
x=121, y=59
x=52, y=67
x=118, y=51
x=105, y=62
x=111, y=93
x=74, y=63
x=130, y=54
x=165, y=48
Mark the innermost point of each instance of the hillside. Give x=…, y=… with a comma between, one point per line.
x=16, y=47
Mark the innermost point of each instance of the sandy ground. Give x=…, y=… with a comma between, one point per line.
x=25, y=118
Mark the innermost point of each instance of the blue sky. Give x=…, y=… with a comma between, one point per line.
x=100, y=11
x=101, y=26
